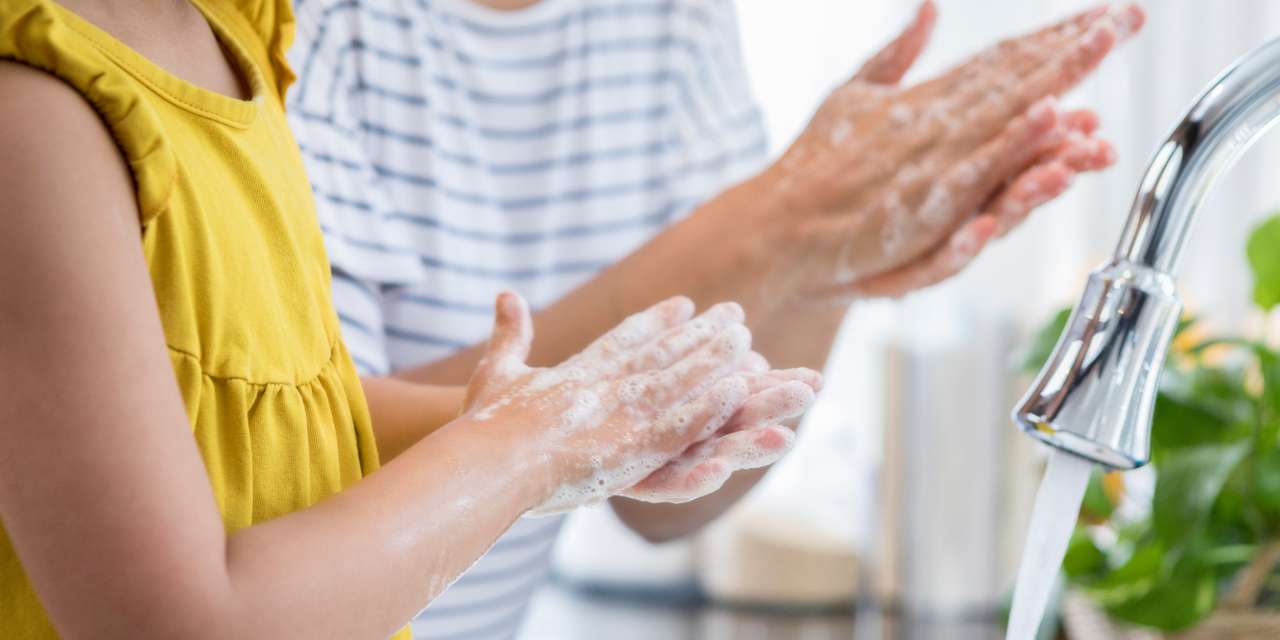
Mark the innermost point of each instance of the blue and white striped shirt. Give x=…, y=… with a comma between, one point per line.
x=457, y=151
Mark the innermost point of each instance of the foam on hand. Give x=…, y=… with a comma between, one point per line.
x=661, y=391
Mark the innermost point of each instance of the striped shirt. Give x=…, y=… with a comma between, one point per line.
x=456, y=151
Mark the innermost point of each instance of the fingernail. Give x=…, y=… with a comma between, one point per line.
x=1100, y=35
x=1128, y=19
x=735, y=339
x=1043, y=112
x=1093, y=14
x=730, y=309
x=1108, y=155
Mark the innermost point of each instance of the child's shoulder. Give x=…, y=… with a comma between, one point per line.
x=57, y=145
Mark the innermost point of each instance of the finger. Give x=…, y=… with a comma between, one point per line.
x=976, y=103
x=760, y=382
x=636, y=331
x=948, y=124
x=969, y=183
x=704, y=416
x=1053, y=78
x=681, y=481
x=1080, y=153
x=754, y=448
x=704, y=467
x=692, y=375
x=1023, y=56
x=1082, y=120
x=775, y=404
x=753, y=363
x=942, y=263
x=944, y=199
x=512, y=335
x=1129, y=20
x=891, y=63
x=1010, y=59
x=1125, y=21
x=1033, y=188
x=1072, y=142
x=678, y=341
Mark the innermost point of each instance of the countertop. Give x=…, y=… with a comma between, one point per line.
x=560, y=612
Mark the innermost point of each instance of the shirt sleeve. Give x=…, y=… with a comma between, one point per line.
x=724, y=134
x=359, y=306
x=357, y=211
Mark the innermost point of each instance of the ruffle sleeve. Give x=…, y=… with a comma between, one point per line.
x=36, y=34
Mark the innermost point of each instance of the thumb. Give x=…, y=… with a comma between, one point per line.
x=512, y=334
x=888, y=66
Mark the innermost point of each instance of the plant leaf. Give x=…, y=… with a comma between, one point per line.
x=1187, y=486
x=1083, y=556
x=1186, y=597
x=1269, y=407
x=1264, y=256
x=1266, y=490
x=1096, y=506
x=1179, y=423
x=1134, y=579
x=1037, y=351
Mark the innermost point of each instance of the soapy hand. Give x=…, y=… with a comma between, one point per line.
x=899, y=188
x=752, y=438
x=632, y=401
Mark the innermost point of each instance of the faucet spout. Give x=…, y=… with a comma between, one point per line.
x=1097, y=392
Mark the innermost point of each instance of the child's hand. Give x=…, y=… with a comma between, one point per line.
x=752, y=438
x=625, y=406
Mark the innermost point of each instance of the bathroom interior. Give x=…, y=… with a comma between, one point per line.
x=904, y=509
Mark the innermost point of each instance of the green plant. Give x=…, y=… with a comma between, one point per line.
x=1214, y=520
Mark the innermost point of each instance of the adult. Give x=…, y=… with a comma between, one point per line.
x=600, y=155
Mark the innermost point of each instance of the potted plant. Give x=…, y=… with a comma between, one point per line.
x=1202, y=562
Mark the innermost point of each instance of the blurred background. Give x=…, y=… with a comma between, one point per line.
x=909, y=487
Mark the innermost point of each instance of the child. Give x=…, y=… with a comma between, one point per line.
x=187, y=450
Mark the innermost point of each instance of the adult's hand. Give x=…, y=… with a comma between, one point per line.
x=890, y=189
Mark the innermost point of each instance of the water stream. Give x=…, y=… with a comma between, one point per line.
x=1052, y=521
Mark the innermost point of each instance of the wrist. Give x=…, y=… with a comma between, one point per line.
x=738, y=246
x=769, y=224
x=493, y=450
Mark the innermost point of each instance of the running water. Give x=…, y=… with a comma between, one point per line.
x=1052, y=521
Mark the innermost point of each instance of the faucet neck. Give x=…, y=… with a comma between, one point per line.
x=1225, y=120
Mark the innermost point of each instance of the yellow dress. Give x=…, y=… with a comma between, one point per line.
x=237, y=260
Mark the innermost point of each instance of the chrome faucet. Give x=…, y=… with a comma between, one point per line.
x=1097, y=392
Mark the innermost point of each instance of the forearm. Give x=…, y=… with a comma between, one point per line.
x=362, y=562
x=404, y=413
x=795, y=336
x=693, y=258
x=663, y=522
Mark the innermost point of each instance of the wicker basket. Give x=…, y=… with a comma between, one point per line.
x=1235, y=619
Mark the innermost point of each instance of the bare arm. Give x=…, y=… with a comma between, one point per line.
x=404, y=412
x=104, y=494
